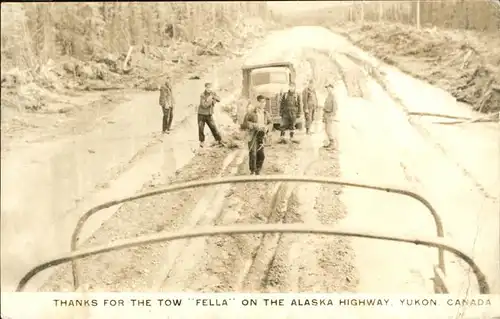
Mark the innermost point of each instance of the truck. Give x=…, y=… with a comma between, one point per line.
x=271, y=79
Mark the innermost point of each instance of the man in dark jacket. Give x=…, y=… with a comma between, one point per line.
x=256, y=122
x=310, y=103
x=205, y=114
x=290, y=111
x=167, y=102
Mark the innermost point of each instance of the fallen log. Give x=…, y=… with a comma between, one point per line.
x=493, y=117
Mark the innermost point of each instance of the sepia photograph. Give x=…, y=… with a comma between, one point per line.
x=346, y=153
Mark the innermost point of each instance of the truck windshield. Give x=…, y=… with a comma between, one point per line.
x=269, y=77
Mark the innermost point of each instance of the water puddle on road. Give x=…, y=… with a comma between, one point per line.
x=44, y=195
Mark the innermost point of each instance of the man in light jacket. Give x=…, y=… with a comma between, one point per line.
x=205, y=114
x=167, y=102
x=329, y=112
x=257, y=122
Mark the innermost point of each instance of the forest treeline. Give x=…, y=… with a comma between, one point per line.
x=449, y=43
x=478, y=15
x=33, y=33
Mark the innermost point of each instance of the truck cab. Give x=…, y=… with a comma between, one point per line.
x=270, y=80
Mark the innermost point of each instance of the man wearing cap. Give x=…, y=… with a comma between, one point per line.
x=329, y=111
x=290, y=111
x=167, y=102
x=205, y=114
x=310, y=103
x=256, y=122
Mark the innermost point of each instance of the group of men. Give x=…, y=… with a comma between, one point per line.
x=208, y=98
x=292, y=106
x=257, y=121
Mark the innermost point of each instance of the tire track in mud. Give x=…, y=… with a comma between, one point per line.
x=353, y=76
x=292, y=264
x=268, y=267
x=338, y=256
x=225, y=259
x=276, y=277
x=311, y=263
x=264, y=263
x=281, y=272
x=208, y=210
x=131, y=269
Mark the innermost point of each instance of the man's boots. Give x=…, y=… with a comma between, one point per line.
x=282, y=137
x=329, y=144
x=308, y=132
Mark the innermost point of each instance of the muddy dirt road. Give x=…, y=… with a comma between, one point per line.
x=51, y=183
x=376, y=144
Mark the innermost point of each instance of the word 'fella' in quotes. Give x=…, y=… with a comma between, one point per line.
x=269, y=302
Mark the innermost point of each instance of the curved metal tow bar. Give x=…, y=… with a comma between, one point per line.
x=438, y=242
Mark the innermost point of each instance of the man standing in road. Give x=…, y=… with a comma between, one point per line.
x=290, y=111
x=329, y=112
x=256, y=122
x=310, y=103
x=167, y=105
x=205, y=114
